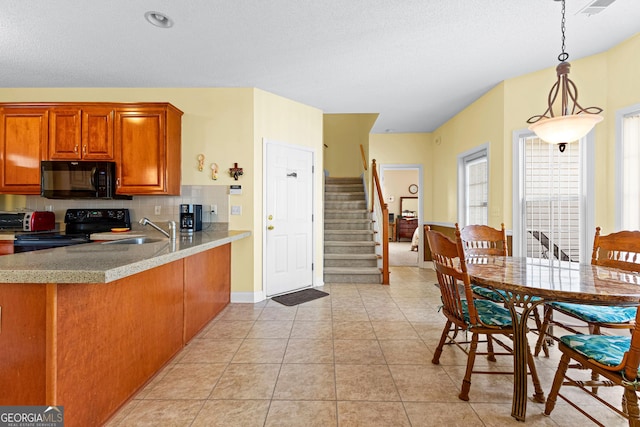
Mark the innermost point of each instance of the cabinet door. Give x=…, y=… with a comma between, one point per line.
x=81, y=133
x=147, y=141
x=140, y=151
x=97, y=133
x=65, y=134
x=6, y=247
x=23, y=144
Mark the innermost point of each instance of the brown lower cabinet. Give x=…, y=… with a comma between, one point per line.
x=6, y=247
x=90, y=347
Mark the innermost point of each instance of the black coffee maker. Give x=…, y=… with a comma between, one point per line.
x=190, y=218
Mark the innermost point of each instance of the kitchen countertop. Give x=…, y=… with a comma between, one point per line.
x=104, y=262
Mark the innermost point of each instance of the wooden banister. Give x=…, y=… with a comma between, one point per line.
x=364, y=160
x=377, y=194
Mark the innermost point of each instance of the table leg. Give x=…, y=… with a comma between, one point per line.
x=521, y=356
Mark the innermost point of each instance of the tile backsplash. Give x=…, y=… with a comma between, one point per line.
x=140, y=206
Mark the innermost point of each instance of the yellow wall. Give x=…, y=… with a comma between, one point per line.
x=407, y=149
x=480, y=123
x=285, y=121
x=227, y=126
x=343, y=135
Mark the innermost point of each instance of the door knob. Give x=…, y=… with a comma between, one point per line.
x=271, y=227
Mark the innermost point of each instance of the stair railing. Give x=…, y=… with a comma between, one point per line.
x=381, y=211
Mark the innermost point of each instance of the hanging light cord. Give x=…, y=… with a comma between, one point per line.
x=564, y=55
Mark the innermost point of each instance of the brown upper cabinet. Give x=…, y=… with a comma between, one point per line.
x=81, y=133
x=23, y=143
x=144, y=139
x=148, y=141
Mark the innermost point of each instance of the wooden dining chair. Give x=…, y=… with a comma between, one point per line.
x=618, y=250
x=466, y=313
x=613, y=357
x=482, y=240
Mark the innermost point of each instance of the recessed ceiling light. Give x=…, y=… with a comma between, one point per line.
x=158, y=19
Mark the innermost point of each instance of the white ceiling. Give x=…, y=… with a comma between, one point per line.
x=416, y=62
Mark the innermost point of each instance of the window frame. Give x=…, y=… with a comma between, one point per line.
x=619, y=164
x=481, y=151
x=587, y=193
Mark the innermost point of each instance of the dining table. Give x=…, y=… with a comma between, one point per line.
x=526, y=283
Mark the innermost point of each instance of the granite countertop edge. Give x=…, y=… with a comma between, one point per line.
x=103, y=262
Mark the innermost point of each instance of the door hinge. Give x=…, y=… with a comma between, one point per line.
x=312, y=265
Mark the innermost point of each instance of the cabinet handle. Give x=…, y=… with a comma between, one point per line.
x=84, y=149
x=75, y=149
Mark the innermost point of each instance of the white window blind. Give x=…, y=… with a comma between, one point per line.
x=477, y=184
x=551, y=202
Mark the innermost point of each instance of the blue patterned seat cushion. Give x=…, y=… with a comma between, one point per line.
x=490, y=294
x=606, y=349
x=598, y=313
x=489, y=313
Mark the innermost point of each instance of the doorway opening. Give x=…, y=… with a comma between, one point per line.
x=402, y=191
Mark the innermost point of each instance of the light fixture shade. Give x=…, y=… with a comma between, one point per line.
x=563, y=129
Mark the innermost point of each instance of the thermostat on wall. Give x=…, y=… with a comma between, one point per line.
x=235, y=189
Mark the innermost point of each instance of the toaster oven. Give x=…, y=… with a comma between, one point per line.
x=28, y=221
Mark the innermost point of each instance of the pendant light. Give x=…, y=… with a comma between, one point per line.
x=571, y=122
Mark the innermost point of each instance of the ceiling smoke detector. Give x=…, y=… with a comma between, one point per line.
x=158, y=19
x=595, y=7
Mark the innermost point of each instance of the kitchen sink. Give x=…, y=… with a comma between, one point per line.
x=134, y=241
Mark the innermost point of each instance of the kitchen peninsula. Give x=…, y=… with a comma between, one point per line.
x=86, y=326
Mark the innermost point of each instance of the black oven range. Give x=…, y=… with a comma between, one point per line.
x=80, y=224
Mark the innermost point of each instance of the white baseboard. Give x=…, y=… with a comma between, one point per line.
x=247, y=297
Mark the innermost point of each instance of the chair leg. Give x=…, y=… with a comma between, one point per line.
x=466, y=382
x=542, y=331
x=443, y=338
x=536, y=318
x=557, y=383
x=594, y=330
x=538, y=395
x=490, y=354
x=630, y=406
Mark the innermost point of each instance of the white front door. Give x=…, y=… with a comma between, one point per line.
x=288, y=218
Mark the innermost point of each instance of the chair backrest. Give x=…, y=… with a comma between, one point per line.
x=451, y=269
x=619, y=250
x=479, y=240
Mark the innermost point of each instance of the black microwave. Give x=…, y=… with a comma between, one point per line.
x=78, y=180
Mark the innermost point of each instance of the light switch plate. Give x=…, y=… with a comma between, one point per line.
x=236, y=210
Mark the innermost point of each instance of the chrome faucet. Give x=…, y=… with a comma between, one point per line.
x=172, y=227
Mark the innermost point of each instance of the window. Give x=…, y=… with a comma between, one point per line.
x=473, y=186
x=552, y=196
x=628, y=169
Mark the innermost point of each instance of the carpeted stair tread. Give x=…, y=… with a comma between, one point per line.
x=351, y=256
x=352, y=270
x=355, y=243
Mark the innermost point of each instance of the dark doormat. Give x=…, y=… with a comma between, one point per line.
x=298, y=297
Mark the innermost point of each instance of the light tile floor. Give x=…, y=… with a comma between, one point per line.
x=359, y=357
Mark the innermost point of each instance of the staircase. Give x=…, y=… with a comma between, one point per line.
x=349, y=246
